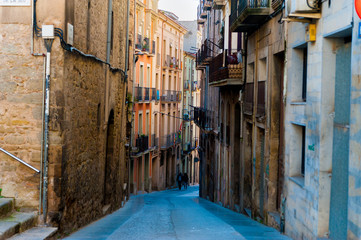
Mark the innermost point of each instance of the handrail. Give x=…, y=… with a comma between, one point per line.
x=21, y=161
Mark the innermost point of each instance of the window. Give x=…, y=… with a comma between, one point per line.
x=304, y=74
x=298, y=153
x=140, y=124
x=147, y=123
x=148, y=76
x=141, y=75
x=298, y=87
x=156, y=80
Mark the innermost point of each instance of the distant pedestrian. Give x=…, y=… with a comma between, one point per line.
x=185, y=180
x=179, y=180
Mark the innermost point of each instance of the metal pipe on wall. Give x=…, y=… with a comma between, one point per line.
x=46, y=137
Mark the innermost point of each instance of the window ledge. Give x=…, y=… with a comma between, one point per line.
x=299, y=180
x=298, y=103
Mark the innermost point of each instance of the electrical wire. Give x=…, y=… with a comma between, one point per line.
x=184, y=119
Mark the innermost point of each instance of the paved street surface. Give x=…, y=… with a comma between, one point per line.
x=175, y=214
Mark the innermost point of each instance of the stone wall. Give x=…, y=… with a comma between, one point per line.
x=87, y=159
x=21, y=85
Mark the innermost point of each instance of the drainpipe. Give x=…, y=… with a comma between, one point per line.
x=126, y=81
x=110, y=10
x=42, y=138
x=109, y=36
x=133, y=89
x=48, y=41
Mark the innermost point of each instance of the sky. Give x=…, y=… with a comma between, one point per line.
x=186, y=10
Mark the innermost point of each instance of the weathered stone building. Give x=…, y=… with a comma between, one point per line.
x=84, y=161
x=322, y=121
x=242, y=62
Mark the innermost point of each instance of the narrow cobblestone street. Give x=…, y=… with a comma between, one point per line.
x=175, y=214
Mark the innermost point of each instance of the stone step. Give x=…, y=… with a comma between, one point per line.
x=16, y=223
x=36, y=233
x=6, y=206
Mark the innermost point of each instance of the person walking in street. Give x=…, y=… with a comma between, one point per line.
x=185, y=180
x=179, y=180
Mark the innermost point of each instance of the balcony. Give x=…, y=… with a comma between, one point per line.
x=205, y=119
x=207, y=5
x=224, y=70
x=249, y=14
x=144, y=94
x=139, y=43
x=204, y=55
x=141, y=144
x=219, y=4
x=168, y=141
x=201, y=15
x=145, y=46
x=171, y=96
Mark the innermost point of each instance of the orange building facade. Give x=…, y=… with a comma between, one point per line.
x=156, y=134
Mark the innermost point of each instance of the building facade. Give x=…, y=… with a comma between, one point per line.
x=242, y=60
x=322, y=157
x=63, y=88
x=157, y=99
x=171, y=39
x=145, y=97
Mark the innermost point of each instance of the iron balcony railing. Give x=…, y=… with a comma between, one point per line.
x=167, y=141
x=142, y=143
x=205, y=119
x=145, y=94
x=224, y=66
x=138, y=44
x=208, y=50
x=219, y=4
x=171, y=96
x=138, y=94
x=243, y=10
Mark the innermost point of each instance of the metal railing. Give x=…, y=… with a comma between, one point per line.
x=146, y=94
x=205, y=119
x=142, y=143
x=154, y=94
x=171, y=96
x=138, y=94
x=171, y=139
x=224, y=66
x=246, y=4
x=19, y=160
x=208, y=50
